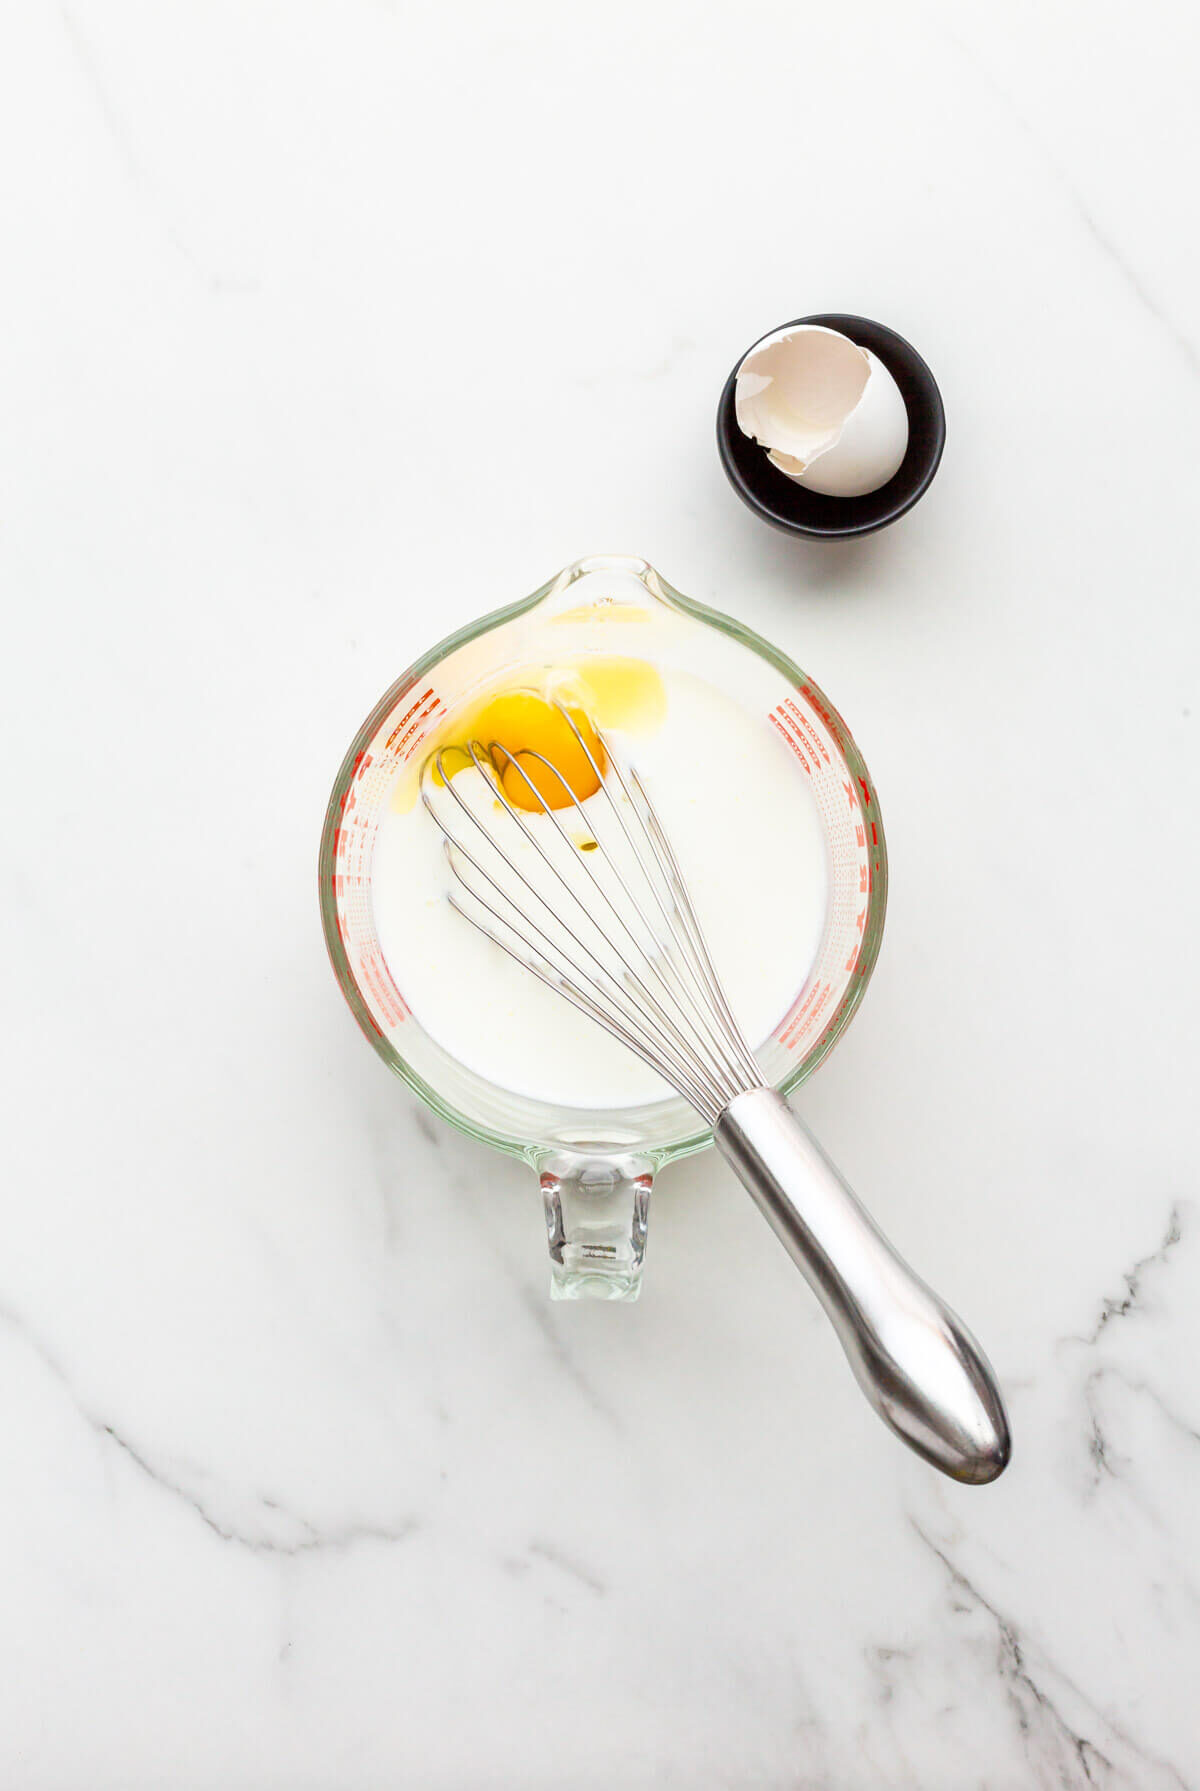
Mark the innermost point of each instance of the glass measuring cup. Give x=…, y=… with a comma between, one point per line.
x=596, y=1166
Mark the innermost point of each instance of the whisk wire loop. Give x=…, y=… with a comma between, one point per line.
x=647, y=977
x=653, y=960
x=659, y=958
x=732, y=1046
x=685, y=1071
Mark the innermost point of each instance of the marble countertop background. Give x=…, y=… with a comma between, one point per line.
x=323, y=328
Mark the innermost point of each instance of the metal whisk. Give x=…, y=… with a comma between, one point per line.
x=596, y=907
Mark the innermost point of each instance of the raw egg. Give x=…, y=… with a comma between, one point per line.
x=523, y=716
x=519, y=725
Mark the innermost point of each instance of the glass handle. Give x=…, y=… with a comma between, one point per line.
x=597, y=1208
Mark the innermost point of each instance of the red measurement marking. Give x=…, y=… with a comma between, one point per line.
x=864, y=879
x=803, y=1018
x=787, y=734
x=861, y=920
x=866, y=792
x=803, y=728
x=852, y=960
x=830, y=717
x=405, y=719
x=849, y=789
x=801, y=1007
x=362, y=763
x=417, y=732
x=860, y=836
x=414, y=721
x=375, y=979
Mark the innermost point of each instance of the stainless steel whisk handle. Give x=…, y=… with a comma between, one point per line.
x=913, y=1358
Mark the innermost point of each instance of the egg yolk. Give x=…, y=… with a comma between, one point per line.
x=522, y=724
x=599, y=690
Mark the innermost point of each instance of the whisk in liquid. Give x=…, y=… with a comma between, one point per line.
x=596, y=907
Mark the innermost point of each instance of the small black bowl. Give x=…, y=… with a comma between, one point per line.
x=779, y=500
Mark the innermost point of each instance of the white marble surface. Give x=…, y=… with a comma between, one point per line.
x=324, y=328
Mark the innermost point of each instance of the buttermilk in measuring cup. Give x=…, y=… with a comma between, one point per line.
x=735, y=806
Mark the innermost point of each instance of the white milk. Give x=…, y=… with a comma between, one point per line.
x=737, y=810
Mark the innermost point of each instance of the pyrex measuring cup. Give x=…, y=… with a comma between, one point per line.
x=596, y=1166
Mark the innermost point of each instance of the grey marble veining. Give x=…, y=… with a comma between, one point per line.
x=306, y=1484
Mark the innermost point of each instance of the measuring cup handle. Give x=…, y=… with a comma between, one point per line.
x=597, y=1208
x=914, y=1359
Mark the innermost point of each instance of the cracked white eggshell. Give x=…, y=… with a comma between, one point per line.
x=828, y=412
